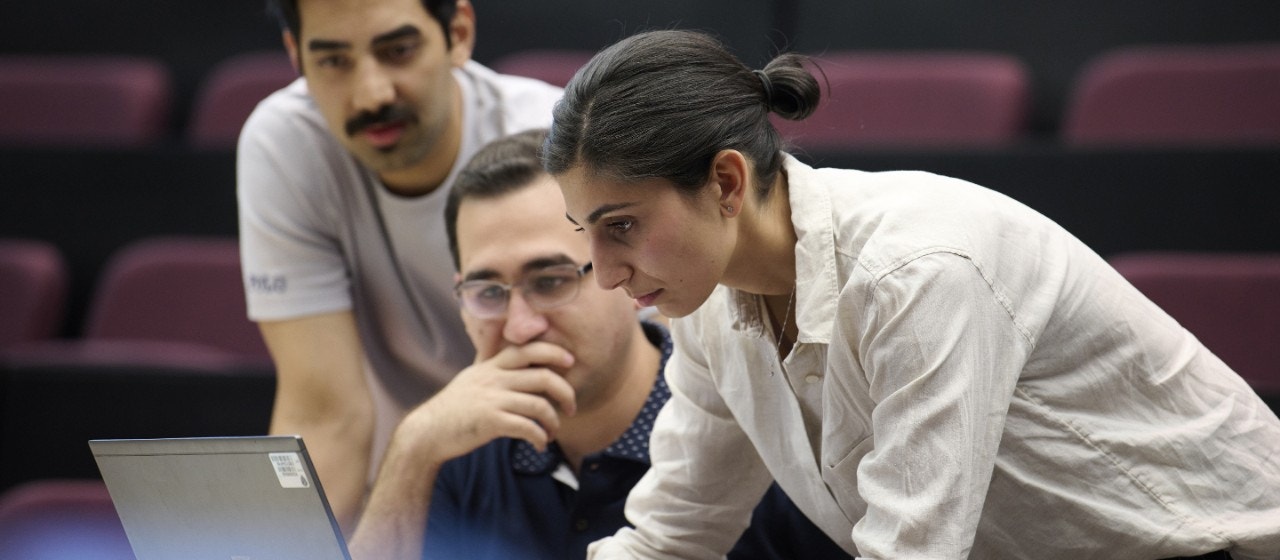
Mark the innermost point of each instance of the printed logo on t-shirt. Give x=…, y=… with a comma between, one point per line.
x=268, y=284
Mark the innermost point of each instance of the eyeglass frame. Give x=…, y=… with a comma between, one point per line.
x=521, y=284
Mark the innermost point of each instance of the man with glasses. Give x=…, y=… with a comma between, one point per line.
x=531, y=451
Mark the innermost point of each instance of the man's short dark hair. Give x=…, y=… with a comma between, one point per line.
x=286, y=13
x=503, y=166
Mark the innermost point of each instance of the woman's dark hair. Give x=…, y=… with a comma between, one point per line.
x=286, y=13
x=500, y=167
x=662, y=104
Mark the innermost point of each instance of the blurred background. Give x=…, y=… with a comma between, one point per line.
x=1149, y=128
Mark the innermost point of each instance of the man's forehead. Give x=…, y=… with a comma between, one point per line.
x=370, y=18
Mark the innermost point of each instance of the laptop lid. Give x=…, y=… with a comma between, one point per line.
x=238, y=498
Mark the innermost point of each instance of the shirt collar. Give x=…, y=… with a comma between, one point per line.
x=817, y=289
x=633, y=444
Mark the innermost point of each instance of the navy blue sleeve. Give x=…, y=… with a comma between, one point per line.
x=442, y=538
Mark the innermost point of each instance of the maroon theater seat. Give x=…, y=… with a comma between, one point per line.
x=230, y=92
x=185, y=291
x=33, y=290
x=89, y=100
x=60, y=519
x=1231, y=302
x=914, y=99
x=1178, y=95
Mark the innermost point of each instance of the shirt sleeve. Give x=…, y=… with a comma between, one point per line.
x=942, y=354
x=291, y=258
x=705, y=479
x=444, y=536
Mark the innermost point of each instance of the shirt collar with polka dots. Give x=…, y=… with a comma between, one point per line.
x=633, y=444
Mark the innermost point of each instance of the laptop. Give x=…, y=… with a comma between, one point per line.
x=236, y=498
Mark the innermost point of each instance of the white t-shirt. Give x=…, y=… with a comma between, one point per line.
x=319, y=233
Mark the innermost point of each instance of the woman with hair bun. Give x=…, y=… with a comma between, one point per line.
x=928, y=368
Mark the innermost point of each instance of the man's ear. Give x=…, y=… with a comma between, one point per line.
x=291, y=47
x=462, y=33
x=729, y=174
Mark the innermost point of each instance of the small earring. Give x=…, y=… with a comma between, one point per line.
x=728, y=208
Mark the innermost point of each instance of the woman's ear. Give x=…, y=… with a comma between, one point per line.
x=730, y=173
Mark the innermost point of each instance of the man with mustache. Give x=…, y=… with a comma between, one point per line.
x=342, y=177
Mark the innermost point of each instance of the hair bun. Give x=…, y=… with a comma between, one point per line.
x=791, y=91
x=768, y=86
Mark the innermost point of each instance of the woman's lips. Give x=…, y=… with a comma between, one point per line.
x=648, y=299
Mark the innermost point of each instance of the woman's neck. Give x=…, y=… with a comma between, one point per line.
x=764, y=259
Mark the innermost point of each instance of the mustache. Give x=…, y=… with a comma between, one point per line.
x=387, y=114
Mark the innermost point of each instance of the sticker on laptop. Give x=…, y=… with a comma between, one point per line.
x=289, y=470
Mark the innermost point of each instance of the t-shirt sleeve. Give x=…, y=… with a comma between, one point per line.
x=525, y=103
x=291, y=257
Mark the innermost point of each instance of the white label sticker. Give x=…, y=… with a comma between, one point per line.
x=289, y=470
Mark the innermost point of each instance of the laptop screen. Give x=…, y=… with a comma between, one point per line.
x=239, y=498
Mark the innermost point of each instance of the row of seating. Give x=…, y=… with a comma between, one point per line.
x=124, y=101
x=61, y=519
x=180, y=301
x=1231, y=301
x=1148, y=96
x=1153, y=95
x=161, y=301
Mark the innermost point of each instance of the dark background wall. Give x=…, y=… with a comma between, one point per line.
x=92, y=201
x=1055, y=39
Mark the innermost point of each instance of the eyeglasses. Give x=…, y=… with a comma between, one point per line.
x=543, y=289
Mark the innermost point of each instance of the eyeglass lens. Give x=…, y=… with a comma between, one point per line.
x=544, y=289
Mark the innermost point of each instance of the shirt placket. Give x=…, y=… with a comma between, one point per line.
x=803, y=369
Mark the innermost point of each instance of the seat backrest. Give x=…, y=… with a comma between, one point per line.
x=1231, y=302
x=913, y=99
x=230, y=92
x=83, y=100
x=556, y=67
x=33, y=290
x=57, y=519
x=1178, y=95
x=176, y=289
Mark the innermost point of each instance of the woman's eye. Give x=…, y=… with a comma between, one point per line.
x=621, y=226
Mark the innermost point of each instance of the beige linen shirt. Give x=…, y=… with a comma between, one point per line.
x=970, y=381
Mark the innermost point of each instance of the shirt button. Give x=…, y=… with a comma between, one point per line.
x=580, y=525
x=593, y=466
x=811, y=379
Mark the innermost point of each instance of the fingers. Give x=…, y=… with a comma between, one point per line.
x=547, y=385
x=542, y=354
x=537, y=412
x=519, y=393
x=531, y=363
x=477, y=408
